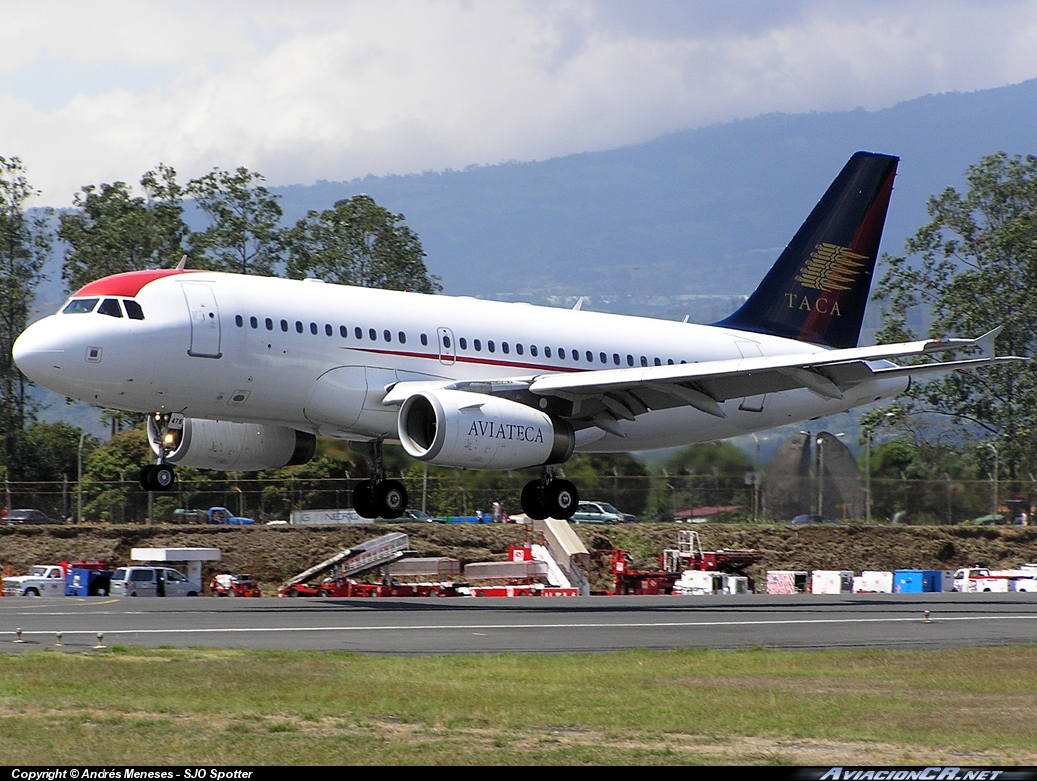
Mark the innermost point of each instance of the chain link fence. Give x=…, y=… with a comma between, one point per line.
x=652, y=498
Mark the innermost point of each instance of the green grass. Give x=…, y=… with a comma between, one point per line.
x=218, y=706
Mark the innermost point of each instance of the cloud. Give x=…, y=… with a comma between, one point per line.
x=99, y=92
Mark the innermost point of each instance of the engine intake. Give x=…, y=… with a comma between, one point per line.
x=475, y=431
x=230, y=447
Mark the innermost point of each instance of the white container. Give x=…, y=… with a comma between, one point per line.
x=824, y=581
x=873, y=582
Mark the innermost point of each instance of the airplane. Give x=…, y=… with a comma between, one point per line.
x=242, y=373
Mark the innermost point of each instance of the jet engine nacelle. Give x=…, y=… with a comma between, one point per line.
x=229, y=447
x=475, y=431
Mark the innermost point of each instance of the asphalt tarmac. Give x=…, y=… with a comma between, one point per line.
x=529, y=625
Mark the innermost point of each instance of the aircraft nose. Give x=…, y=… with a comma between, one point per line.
x=38, y=352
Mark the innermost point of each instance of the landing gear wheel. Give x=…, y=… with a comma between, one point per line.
x=363, y=500
x=162, y=477
x=157, y=477
x=561, y=499
x=533, y=501
x=390, y=499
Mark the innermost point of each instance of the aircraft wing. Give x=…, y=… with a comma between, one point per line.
x=602, y=397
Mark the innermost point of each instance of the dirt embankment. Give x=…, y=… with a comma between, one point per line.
x=274, y=554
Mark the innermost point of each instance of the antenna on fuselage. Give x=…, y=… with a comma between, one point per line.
x=182, y=264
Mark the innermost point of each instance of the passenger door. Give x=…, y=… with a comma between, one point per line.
x=205, y=320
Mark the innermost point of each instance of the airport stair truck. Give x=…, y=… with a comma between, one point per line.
x=564, y=553
x=377, y=552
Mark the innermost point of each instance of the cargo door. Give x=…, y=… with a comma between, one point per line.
x=205, y=320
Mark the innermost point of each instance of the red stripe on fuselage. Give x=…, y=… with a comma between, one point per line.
x=466, y=359
x=127, y=284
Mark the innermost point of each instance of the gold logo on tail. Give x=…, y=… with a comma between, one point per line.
x=831, y=268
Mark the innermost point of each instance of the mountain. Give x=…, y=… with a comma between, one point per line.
x=694, y=213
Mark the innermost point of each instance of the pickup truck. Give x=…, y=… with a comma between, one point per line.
x=76, y=578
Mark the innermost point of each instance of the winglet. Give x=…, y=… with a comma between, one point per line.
x=579, y=303
x=985, y=343
x=182, y=264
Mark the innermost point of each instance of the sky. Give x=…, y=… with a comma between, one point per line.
x=303, y=91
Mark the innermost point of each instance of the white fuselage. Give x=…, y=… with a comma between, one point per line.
x=318, y=357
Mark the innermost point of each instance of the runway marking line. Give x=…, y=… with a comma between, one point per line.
x=597, y=625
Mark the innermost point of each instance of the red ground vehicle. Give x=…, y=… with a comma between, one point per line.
x=234, y=585
x=687, y=555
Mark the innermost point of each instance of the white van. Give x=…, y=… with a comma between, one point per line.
x=152, y=582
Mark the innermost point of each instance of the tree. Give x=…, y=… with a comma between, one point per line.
x=244, y=236
x=358, y=242
x=974, y=267
x=24, y=245
x=112, y=231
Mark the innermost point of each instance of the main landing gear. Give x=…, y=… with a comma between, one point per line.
x=550, y=497
x=377, y=497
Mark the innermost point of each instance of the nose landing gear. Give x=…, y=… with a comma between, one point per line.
x=157, y=477
x=162, y=476
x=378, y=497
x=550, y=497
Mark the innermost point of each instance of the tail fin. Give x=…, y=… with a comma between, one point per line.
x=817, y=290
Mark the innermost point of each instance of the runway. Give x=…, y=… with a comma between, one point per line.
x=531, y=625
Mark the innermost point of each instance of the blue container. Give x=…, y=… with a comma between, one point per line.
x=916, y=581
x=87, y=583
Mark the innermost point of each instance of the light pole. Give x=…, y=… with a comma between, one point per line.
x=994, y=451
x=867, y=467
x=79, y=480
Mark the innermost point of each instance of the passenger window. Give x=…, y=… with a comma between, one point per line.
x=269, y=324
x=328, y=329
x=518, y=349
x=561, y=353
x=424, y=340
x=615, y=358
x=533, y=350
x=387, y=334
x=604, y=358
x=403, y=337
x=80, y=306
x=298, y=326
x=547, y=352
x=343, y=332
x=239, y=321
x=358, y=332
x=590, y=357
x=644, y=361
x=658, y=362
x=491, y=346
x=313, y=328
x=630, y=360
x=446, y=341
x=373, y=334
x=576, y=355
x=284, y=325
x=669, y=361
x=463, y=343
x=504, y=348
x=133, y=310
x=477, y=345
x=253, y=322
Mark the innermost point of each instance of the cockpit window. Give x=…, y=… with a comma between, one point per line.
x=133, y=310
x=80, y=306
x=110, y=307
